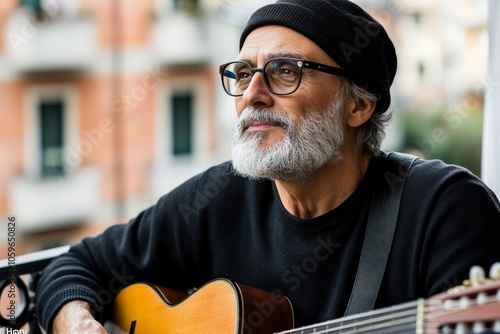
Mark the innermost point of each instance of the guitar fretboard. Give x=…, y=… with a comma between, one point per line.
x=403, y=318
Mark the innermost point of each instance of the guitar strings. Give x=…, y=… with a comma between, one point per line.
x=406, y=309
x=407, y=312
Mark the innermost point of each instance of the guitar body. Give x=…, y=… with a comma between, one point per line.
x=220, y=306
x=224, y=307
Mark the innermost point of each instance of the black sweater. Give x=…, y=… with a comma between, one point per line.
x=218, y=224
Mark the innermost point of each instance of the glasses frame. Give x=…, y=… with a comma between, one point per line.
x=301, y=64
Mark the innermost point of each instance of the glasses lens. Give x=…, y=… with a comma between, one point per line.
x=236, y=77
x=282, y=75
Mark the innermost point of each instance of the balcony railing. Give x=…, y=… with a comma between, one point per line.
x=179, y=40
x=58, y=202
x=54, y=44
x=20, y=275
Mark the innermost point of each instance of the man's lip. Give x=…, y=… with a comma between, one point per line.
x=260, y=126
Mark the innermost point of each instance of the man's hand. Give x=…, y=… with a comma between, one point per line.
x=76, y=317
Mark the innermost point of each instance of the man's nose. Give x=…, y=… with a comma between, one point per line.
x=257, y=94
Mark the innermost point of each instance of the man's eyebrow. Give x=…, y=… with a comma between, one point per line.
x=287, y=54
x=279, y=54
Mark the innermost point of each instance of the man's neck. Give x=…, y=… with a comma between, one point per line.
x=326, y=189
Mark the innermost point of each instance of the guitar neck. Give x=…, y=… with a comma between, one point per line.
x=222, y=306
x=402, y=318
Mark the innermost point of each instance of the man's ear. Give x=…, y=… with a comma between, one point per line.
x=359, y=112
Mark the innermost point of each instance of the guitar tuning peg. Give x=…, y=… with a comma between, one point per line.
x=476, y=275
x=495, y=271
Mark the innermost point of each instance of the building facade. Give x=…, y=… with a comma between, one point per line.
x=108, y=104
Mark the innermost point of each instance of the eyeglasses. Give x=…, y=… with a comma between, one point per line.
x=282, y=76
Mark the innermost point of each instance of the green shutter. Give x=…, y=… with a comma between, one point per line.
x=34, y=4
x=182, y=117
x=51, y=138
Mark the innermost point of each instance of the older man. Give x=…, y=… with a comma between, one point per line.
x=289, y=213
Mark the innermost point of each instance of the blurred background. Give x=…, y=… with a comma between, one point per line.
x=106, y=105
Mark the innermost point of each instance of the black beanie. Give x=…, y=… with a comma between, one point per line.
x=349, y=35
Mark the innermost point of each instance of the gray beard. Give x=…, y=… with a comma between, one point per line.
x=305, y=148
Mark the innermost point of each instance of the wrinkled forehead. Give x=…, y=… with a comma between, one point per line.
x=275, y=41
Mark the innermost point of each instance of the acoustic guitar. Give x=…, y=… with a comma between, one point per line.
x=222, y=306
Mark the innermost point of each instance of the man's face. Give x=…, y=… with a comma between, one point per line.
x=287, y=137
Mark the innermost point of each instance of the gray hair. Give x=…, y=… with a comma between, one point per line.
x=372, y=132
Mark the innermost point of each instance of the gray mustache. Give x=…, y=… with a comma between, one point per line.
x=250, y=115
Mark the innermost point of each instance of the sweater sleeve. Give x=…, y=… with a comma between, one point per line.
x=157, y=246
x=464, y=232
x=460, y=220
x=448, y=222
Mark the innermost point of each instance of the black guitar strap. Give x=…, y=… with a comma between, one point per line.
x=380, y=229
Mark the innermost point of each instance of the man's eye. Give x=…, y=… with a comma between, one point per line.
x=243, y=75
x=286, y=71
